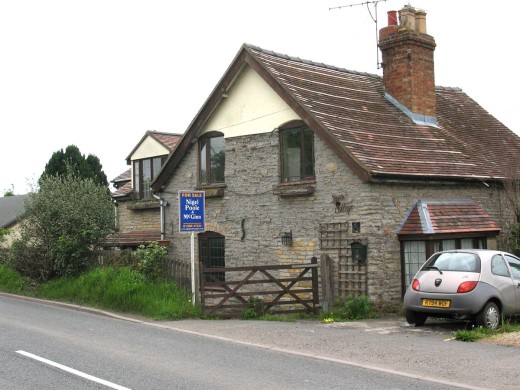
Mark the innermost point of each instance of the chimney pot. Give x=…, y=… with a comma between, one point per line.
x=407, y=17
x=392, y=18
x=420, y=21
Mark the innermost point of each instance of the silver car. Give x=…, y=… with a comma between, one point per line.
x=475, y=284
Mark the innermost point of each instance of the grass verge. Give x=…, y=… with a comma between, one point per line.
x=479, y=333
x=122, y=290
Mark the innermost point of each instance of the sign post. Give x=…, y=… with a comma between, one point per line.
x=191, y=219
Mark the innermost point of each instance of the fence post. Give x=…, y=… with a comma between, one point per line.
x=315, y=289
x=327, y=281
x=201, y=284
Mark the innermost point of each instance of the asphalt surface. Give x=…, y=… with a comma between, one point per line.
x=386, y=344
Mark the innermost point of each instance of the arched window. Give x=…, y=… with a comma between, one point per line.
x=212, y=159
x=296, y=152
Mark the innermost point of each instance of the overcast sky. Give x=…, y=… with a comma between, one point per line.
x=100, y=73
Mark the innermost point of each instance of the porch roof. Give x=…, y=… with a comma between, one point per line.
x=428, y=217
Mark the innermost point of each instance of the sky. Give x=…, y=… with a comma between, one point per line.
x=99, y=73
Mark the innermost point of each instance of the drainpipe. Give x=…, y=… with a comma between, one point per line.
x=162, y=204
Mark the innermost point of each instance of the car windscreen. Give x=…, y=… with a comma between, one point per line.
x=453, y=261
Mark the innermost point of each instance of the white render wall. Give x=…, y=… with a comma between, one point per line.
x=252, y=107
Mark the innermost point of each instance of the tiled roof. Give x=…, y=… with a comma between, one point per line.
x=349, y=111
x=351, y=106
x=446, y=216
x=126, y=175
x=11, y=208
x=167, y=139
x=124, y=190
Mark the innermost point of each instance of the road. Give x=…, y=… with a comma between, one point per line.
x=49, y=347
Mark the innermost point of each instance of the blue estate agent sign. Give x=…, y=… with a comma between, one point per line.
x=191, y=211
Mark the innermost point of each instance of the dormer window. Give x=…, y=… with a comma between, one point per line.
x=145, y=171
x=212, y=159
x=297, y=154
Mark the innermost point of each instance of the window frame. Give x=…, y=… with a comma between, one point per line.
x=138, y=180
x=303, y=177
x=434, y=245
x=205, y=142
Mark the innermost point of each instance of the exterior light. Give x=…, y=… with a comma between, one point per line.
x=287, y=238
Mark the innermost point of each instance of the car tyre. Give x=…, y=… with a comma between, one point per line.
x=416, y=318
x=489, y=316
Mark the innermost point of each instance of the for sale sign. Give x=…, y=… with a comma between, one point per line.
x=191, y=211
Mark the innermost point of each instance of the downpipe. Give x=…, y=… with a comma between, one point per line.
x=162, y=203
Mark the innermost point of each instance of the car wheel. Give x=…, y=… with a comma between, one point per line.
x=489, y=316
x=416, y=318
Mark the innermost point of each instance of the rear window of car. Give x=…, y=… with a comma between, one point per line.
x=454, y=261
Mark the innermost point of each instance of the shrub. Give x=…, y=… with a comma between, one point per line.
x=151, y=260
x=64, y=222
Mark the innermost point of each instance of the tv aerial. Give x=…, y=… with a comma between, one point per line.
x=373, y=15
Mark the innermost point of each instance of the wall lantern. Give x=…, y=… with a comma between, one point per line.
x=287, y=238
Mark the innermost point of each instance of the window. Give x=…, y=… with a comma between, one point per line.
x=514, y=263
x=212, y=255
x=415, y=253
x=212, y=159
x=145, y=171
x=498, y=266
x=414, y=257
x=297, y=154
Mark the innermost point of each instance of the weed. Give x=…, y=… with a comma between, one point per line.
x=350, y=309
x=473, y=335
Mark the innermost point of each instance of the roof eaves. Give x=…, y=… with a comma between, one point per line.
x=199, y=120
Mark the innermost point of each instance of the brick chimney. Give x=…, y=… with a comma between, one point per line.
x=408, y=74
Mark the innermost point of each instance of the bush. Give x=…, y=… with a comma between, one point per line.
x=64, y=222
x=151, y=260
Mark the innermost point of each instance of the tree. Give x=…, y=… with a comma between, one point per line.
x=9, y=191
x=63, y=225
x=511, y=184
x=84, y=167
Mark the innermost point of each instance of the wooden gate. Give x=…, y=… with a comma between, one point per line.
x=350, y=275
x=273, y=289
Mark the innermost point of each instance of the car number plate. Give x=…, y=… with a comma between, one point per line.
x=445, y=303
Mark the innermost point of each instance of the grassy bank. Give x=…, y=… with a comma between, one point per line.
x=121, y=290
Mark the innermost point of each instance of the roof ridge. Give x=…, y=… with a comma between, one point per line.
x=310, y=62
x=332, y=67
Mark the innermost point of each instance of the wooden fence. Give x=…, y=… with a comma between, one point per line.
x=273, y=289
x=173, y=268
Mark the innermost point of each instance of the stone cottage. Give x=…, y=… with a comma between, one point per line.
x=300, y=159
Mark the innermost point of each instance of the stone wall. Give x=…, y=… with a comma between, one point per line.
x=133, y=218
x=253, y=219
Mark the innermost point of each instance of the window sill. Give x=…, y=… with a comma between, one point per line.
x=144, y=205
x=212, y=191
x=295, y=189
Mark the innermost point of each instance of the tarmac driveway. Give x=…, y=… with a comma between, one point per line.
x=386, y=344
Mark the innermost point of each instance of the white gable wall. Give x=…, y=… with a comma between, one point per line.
x=252, y=107
x=149, y=148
